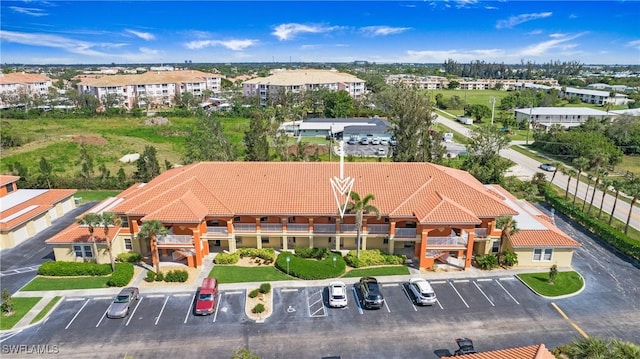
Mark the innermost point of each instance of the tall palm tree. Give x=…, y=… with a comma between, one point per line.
x=558, y=167
x=509, y=228
x=361, y=207
x=617, y=186
x=91, y=220
x=586, y=195
x=570, y=172
x=581, y=163
x=604, y=184
x=600, y=174
x=109, y=219
x=632, y=188
x=149, y=232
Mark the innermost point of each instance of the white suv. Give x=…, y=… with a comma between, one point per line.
x=337, y=294
x=422, y=291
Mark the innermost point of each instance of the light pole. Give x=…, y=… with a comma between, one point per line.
x=529, y=122
x=493, y=108
x=288, y=260
x=334, y=261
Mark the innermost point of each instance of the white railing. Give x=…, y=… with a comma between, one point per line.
x=344, y=228
x=175, y=239
x=324, y=228
x=217, y=230
x=447, y=241
x=405, y=232
x=480, y=232
x=244, y=227
x=297, y=227
x=378, y=228
x=271, y=227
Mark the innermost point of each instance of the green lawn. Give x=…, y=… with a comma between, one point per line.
x=377, y=271
x=48, y=283
x=565, y=283
x=21, y=306
x=90, y=196
x=46, y=309
x=238, y=274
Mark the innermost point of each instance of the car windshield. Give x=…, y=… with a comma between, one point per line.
x=338, y=296
x=122, y=299
x=429, y=295
x=205, y=297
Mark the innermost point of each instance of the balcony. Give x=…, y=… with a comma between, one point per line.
x=297, y=227
x=405, y=232
x=480, y=232
x=271, y=227
x=324, y=228
x=346, y=228
x=244, y=227
x=175, y=239
x=447, y=241
x=217, y=230
x=378, y=228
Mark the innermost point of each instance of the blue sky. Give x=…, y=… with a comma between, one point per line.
x=94, y=32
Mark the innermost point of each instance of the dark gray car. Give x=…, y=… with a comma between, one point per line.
x=121, y=304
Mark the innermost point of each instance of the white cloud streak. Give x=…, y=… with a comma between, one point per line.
x=143, y=35
x=29, y=11
x=558, y=42
x=382, y=30
x=288, y=31
x=522, y=18
x=235, y=45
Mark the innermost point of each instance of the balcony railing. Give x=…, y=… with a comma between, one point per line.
x=447, y=241
x=324, y=228
x=244, y=227
x=378, y=228
x=217, y=230
x=405, y=232
x=480, y=232
x=297, y=227
x=271, y=227
x=175, y=239
x=346, y=228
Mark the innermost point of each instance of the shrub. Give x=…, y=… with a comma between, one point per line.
x=66, y=269
x=316, y=253
x=121, y=276
x=151, y=276
x=311, y=269
x=178, y=275
x=254, y=293
x=227, y=258
x=268, y=254
x=129, y=257
x=487, y=261
x=265, y=288
x=7, y=302
x=373, y=257
x=159, y=277
x=259, y=308
x=508, y=258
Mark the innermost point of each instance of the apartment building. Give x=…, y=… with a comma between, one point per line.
x=565, y=116
x=26, y=212
x=429, y=212
x=595, y=97
x=440, y=82
x=13, y=85
x=300, y=81
x=153, y=89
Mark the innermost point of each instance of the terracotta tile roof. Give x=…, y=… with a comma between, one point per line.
x=401, y=189
x=6, y=179
x=186, y=209
x=22, y=77
x=76, y=233
x=150, y=77
x=32, y=207
x=529, y=352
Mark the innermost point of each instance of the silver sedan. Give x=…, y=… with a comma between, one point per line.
x=121, y=304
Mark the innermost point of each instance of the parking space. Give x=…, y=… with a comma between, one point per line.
x=448, y=296
x=230, y=307
x=289, y=304
x=473, y=296
x=496, y=292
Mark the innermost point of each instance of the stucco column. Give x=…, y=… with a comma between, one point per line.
x=363, y=240
x=258, y=241
x=230, y=226
x=467, y=260
x=390, y=246
x=337, y=248
x=197, y=243
x=205, y=243
x=311, y=242
x=423, y=250
x=285, y=243
x=232, y=243
x=310, y=225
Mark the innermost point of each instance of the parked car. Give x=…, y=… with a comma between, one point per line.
x=337, y=294
x=393, y=142
x=548, y=167
x=364, y=141
x=371, y=295
x=422, y=291
x=465, y=346
x=121, y=304
x=206, y=302
x=384, y=141
x=352, y=141
x=375, y=141
x=381, y=151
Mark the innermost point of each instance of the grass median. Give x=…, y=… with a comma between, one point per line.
x=565, y=283
x=46, y=309
x=21, y=306
x=239, y=274
x=64, y=283
x=377, y=271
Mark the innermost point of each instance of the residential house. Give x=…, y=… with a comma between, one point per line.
x=428, y=212
x=26, y=212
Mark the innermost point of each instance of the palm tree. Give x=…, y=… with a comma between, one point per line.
x=605, y=184
x=592, y=348
x=622, y=349
x=586, y=195
x=149, y=232
x=581, y=163
x=509, y=228
x=600, y=174
x=570, y=172
x=558, y=167
x=632, y=188
x=617, y=186
x=109, y=219
x=91, y=220
x=361, y=207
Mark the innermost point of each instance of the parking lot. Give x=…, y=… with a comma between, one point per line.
x=357, y=149
x=455, y=298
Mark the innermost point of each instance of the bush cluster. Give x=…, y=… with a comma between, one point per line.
x=178, y=275
x=487, y=261
x=129, y=257
x=265, y=288
x=373, y=257
x=227, y=258
x=508, y=258
x=122, y=275
x=268, y=254
x=67, y=269
x=315, y=253
x=151, y=276
x=259, y=308
x=311, y=269
x=159, y=277
x=254, y=293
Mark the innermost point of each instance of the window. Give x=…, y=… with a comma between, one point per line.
x=83, y=251
x=127, y=244
x=264, y=219
x=236, y=219
x=10, y=188
x=495, y=247
x=265, y=240
x=542, y=254
x=546, y=256
x=124, y=222
x=78, y=251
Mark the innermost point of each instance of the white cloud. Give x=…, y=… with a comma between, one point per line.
x=288, y=31
x=28, y=11
x=534, y=32
x=522, y=18
x=235, y=45
x=461, y=56
x=143, y=35
x=382, y=30
x=309, y=47
x=634, y=43
x=558, y=42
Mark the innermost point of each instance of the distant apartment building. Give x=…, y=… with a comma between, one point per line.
x=440, y=82
x=13, y=85
x=565, y=116
x=153, y=89
x=300, y=81
x=595, y=97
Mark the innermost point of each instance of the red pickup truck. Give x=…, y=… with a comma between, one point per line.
x=206, y=302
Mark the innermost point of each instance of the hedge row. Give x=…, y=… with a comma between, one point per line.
x=373, y=257
x=612, y=236
x=226, y=258
x=309, y=268
x=315, y=253
x=129, y=257
x=70, y=269
x=268, y=254
x=122, y=275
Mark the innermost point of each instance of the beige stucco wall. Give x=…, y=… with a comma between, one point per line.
x=561, y=257
x=64, y=252
x=6, y=241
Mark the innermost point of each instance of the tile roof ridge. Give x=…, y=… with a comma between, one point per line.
x=542, y=352
x=188, y=199
x=444, y=200
x=211, y=193
x=415, y=193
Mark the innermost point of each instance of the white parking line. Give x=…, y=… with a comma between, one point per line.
x=182, y=295
x=507, y=278
x=460, y=281
x=390, y=285
x=190, y=306
x=404, y=289
x=215, y=316
x=355, y=296
x=134, y=311
x=73, y=299
x=385, y=304
x=104, y=315
x=477, y=286
x=484, y=279
x=463, y=301
x=509, y=294
x=8, y=336
x=101, y=298
x=162, y=310
x=438, y=282
x=440, y=305
x=289, y=290
x=236, y=292
x=154, y=296
x=77, y=313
